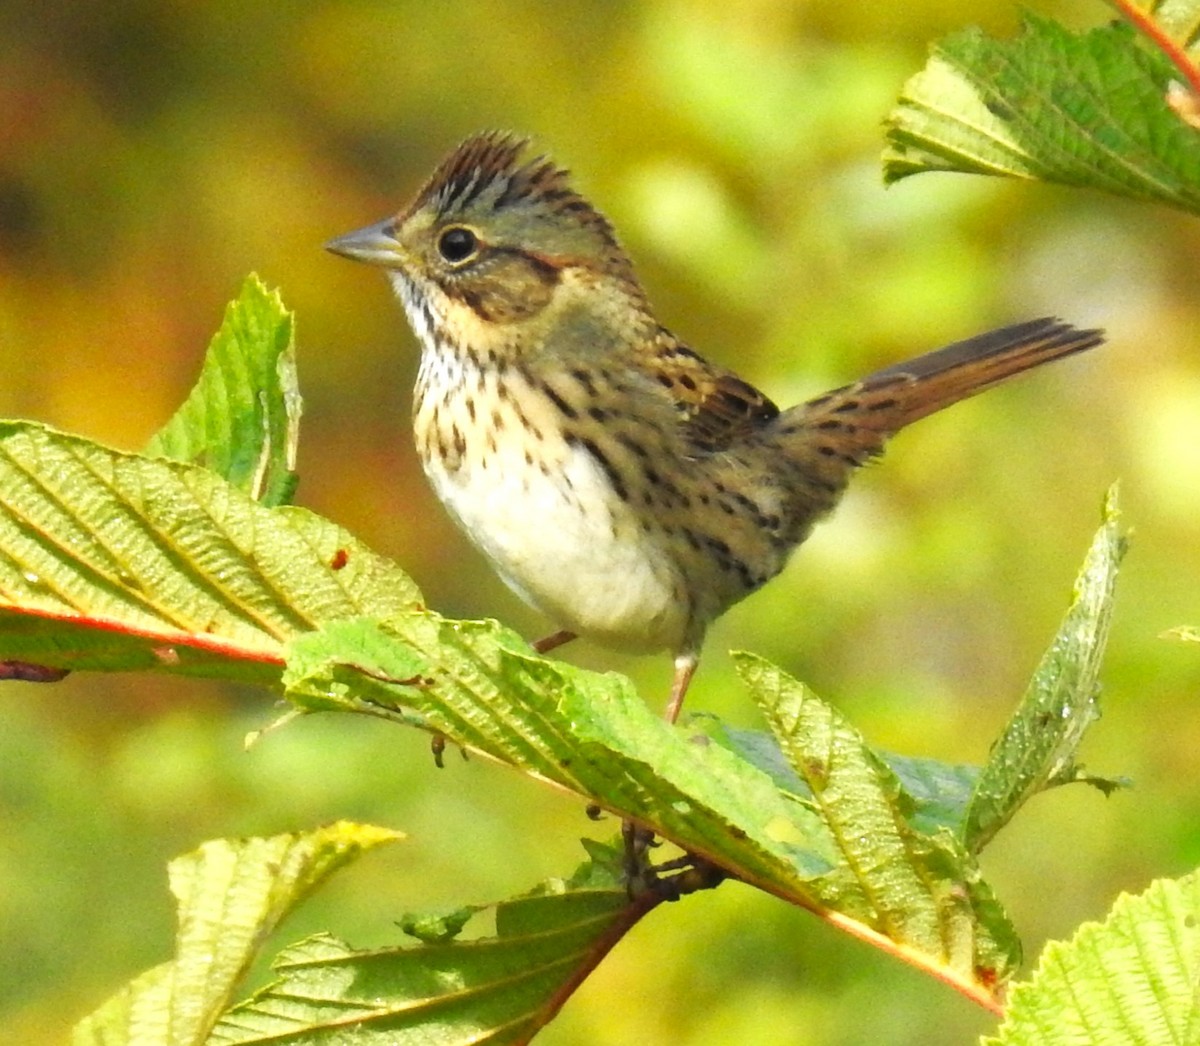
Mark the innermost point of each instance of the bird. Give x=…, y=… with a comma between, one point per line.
x=619, y=482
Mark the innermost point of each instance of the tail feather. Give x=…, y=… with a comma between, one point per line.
x=857, y=419
x=823, y=441
x=945, y=376
x=820, y=443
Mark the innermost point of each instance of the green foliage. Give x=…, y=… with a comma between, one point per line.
x=111, y=561
x=242, y=420
x=231, y=895
x=118, y=561
x=920, y=890
x=1037, y=749
x=502, y=987
x=191, y=565
x=1085, y=110
x=1129, y=979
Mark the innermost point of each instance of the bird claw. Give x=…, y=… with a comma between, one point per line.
x=437, y=745
x=685, y=874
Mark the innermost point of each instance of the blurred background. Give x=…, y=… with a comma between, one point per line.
x=154, y=153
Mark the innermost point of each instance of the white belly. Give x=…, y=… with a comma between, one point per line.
x=560, y=547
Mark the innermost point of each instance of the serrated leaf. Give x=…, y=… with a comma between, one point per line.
x=922, y=892
x=939, y=791
x=1132, y=979
x=242, y=418
x=477, y=684
x=1038, y=747
x=1080, y=109
x=480, y=686
x=498, y=989
x=230, y=896
x=915, y=892
x=113, y=561
x=141, y=558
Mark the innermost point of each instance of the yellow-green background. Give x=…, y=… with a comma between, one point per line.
x=151, y=154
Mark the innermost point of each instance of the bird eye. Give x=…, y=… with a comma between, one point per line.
x=457, y=244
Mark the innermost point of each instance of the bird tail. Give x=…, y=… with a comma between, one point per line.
x=820, y=443
x=852, y=423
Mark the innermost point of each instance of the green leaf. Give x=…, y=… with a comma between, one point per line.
x=114, y=561
x=1038, y=747
x=922, y=892
x=939, y=791
x=1130, y=979
x=1085, y=110
x=110, y=560
x=480, y=686
x=230, y=896
x=496, y=989
x=242, y=418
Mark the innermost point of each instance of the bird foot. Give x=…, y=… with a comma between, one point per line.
x=668, y=880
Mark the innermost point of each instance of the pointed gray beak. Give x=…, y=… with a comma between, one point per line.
x=375, y=245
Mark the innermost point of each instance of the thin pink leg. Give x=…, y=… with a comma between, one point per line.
x=685, y=668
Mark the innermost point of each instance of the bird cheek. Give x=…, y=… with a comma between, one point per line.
x=508, y=293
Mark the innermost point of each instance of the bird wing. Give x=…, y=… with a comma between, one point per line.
x=715, y=407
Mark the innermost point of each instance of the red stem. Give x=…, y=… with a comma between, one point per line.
x=1179, y=57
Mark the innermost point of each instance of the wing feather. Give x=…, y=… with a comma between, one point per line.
x=715, y=406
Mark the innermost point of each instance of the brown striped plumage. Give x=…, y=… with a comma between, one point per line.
x=618, y=481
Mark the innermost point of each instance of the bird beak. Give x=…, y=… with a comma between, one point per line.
x=375, y=245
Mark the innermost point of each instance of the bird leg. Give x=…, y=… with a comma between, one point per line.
x=685, y=668
x=639, y=840
x=637, y=868
x=555, y=639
